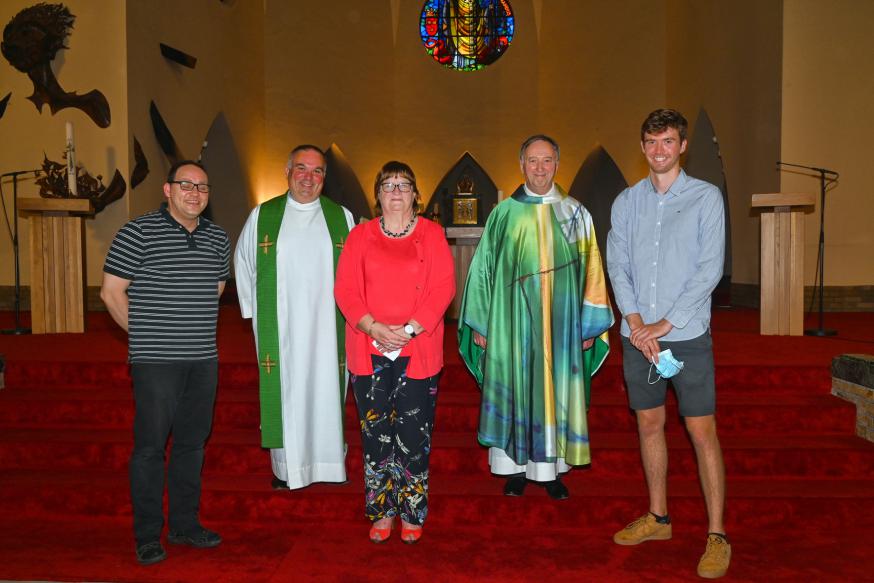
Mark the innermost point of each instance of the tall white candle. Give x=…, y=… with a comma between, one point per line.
x=71, y=161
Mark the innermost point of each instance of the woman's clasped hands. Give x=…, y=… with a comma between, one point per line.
x=389, y=338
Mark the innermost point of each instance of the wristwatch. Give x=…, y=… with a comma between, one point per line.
x=408, y=328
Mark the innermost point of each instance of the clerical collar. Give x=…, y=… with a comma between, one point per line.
x=552, y=194
x=303, y=206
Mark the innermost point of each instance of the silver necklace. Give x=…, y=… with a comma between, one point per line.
x=397, y=235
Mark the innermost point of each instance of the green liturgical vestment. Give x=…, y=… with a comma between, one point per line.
x=536, y=290
x=269, y=223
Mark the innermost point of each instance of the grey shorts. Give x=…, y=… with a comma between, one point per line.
x=694, y=384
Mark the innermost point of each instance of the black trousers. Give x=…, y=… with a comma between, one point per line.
x=397, y=417
x=177, y=398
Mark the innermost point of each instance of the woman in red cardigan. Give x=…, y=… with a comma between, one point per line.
x=395, y=279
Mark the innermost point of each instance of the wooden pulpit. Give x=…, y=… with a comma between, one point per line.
x=782, y=265
x=57, y=285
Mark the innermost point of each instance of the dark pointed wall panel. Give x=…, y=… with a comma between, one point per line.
x=228, y=199
x=343, y=186
x=704, y=161
x=465, y=170
x=597, y=184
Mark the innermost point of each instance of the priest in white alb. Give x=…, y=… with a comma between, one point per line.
x=285, y=263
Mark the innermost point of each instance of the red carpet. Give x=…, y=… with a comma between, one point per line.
x=800, y=490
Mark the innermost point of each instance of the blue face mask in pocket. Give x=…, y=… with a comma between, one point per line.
x=667, y=366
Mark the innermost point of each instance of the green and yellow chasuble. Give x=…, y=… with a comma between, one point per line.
x=536, y=290
x=269, y=223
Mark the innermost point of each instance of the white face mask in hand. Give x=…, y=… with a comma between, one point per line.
x=667, y=366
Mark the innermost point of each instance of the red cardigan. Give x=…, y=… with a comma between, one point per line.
x=396, y=280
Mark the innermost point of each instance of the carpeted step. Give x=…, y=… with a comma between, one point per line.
x=614, y=454
x=760, y=380
x=101, y=549
x=741, y=413
x=799, y=494
x=754, y=502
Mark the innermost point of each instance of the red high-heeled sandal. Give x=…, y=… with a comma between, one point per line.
x=380, y=535
x=410, y=535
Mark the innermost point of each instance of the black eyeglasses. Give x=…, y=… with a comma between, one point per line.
x=188, y=186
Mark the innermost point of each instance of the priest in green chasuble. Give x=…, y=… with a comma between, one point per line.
x=533, y=327
x=285, y=262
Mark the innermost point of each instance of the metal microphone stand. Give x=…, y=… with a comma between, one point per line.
x=820, y=331
x=19, y=329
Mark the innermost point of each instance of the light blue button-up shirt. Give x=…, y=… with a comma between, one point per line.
x=665, y=253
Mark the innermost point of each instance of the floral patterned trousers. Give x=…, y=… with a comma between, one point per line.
x=397, y=417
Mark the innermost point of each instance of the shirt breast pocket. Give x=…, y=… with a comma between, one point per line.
x=680, y=233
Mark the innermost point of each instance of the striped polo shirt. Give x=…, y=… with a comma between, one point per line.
x=173, y=294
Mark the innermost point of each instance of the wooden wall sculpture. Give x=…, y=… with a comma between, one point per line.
x=4, y=102
x=53, y=184
x=164, y=136
x=30, y=42
x=177, y=56
x=141, y=165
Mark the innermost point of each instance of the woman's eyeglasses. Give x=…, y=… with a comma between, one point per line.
x=390, y=187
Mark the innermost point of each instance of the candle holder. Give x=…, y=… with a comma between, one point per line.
x=55, y=184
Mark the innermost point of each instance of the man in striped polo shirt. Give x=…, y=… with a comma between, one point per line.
x=162, y=280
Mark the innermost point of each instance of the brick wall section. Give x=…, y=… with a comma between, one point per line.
x=853, y=380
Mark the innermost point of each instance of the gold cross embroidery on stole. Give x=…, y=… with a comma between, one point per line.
x=266, y=244
x=268, y=364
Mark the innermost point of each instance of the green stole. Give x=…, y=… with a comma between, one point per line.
x=269, y=222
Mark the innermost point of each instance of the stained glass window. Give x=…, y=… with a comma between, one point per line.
x=466, y=35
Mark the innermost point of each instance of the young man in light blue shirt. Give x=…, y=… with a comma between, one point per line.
x=665, y=255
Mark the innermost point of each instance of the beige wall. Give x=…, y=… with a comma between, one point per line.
x=585, y=71
x=227, y=40
x=114, y=47
x=96, y=59
x=601, y=71
x=724, y=57
x=378, y=98
x=828, y=121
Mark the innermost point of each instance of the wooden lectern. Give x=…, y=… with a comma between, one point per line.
x=57, y=286
x=782, y=281
x=463, y=242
